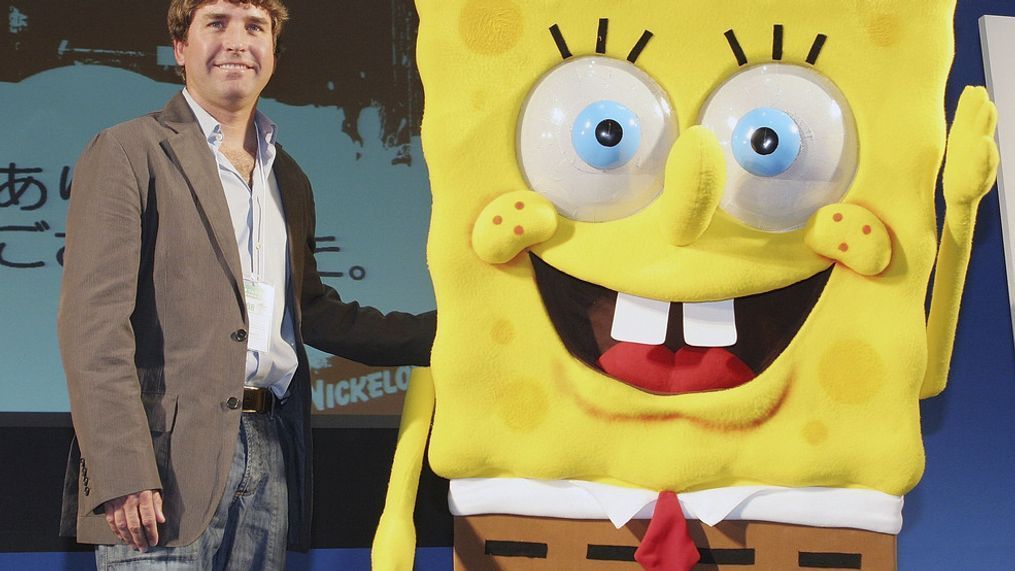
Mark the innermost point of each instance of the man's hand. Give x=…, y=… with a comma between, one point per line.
x=133, y=518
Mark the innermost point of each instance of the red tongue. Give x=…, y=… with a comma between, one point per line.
x=691, y=369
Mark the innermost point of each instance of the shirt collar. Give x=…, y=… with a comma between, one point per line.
x=212, y=129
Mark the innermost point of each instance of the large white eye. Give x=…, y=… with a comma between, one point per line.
x=790, y=144
x=593, y=137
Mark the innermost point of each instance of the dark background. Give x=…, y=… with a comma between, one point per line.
x=351, y=54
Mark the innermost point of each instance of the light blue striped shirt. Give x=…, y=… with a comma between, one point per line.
x=259, y=225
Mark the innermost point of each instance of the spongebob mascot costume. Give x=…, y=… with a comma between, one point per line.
x=681, y=252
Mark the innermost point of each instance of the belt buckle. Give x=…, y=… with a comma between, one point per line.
x=258, y=400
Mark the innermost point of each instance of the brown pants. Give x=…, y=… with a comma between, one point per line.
x=515, y=543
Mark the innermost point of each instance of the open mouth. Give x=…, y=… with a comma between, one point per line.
x=673, y=348
x=233, y=66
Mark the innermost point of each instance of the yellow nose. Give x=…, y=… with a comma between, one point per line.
x=695, y=178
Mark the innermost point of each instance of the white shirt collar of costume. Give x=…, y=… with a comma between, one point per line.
x=576, y=499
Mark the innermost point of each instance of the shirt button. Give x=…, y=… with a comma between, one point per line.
x=239, y=335
x=233, y=403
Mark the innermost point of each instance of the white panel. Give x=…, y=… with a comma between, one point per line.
x=997, y=38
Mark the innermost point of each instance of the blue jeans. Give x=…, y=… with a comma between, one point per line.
x=249, y=529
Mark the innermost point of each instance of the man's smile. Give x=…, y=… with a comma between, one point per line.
x=233, y=66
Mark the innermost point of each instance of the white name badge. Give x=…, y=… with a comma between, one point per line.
x=260, y=309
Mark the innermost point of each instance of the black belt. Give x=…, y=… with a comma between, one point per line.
x=259, y=400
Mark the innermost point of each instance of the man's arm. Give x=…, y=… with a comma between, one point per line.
x=359, y=333
x=101, y=260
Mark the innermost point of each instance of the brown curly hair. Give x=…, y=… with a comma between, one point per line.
x=181, y=12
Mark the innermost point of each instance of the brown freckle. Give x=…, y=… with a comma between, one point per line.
x=852, y=371
x=884, y=30
x=866, y=229
x=519, y=230
x=502, y=332
x=519, y=205
x=843, y=247
x=837, y=217
x=497, y=219
x=815, y=432
x=522, y=405
x=490, y=27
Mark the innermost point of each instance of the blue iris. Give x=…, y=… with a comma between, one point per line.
x=766, y=142
x=606, y=134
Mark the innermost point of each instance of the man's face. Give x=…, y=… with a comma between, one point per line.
x=229, y=54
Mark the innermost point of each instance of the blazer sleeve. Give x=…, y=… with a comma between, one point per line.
x=356, y=332
x=97, y=298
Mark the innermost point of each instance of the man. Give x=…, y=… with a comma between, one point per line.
x=189, y=289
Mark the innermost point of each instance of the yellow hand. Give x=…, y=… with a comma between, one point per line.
x=972, y=156
x=970, y=169
x=511, y=223
x=394, y=547
x=851, y=235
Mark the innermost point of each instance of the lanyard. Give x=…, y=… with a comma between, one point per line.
x=258, y=195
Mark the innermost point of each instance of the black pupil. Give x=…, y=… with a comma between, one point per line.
x=609, y=133
x=765, y=141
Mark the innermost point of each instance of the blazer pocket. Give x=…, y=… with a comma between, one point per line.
x=160, y=410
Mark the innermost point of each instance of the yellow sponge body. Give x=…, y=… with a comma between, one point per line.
x=838, y=407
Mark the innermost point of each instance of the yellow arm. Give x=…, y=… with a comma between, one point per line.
x=394, y=547
x=970, y=169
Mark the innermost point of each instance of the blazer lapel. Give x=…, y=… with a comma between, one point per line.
x=188, y=150
x=290, y=186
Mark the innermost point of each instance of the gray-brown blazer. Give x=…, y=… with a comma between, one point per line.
x=152, y=328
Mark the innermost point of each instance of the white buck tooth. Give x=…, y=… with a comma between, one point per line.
x=710, y=324
x=640, y=320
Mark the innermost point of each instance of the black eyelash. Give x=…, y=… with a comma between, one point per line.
x=777, y=42
x=638, y=47
x=738, y=51
x=777, y=39
x=604, y=23
x=558, y=39
x=819, y=42
x=601, y=36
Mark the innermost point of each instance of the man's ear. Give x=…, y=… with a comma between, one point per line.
x=178, y=51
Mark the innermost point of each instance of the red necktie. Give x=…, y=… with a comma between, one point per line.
x=667, y=545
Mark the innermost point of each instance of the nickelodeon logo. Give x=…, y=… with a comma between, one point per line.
x=355, y=390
